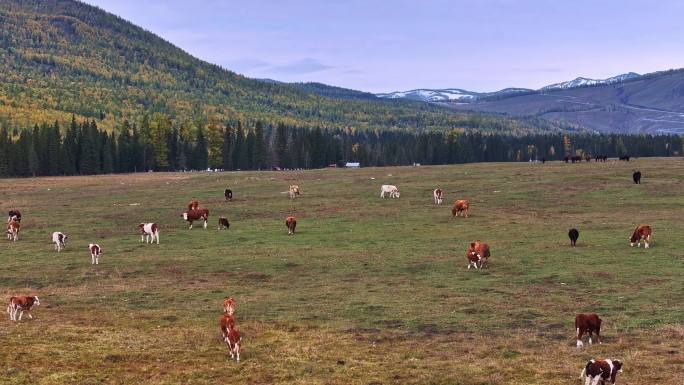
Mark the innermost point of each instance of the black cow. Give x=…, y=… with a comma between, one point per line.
x=624, y=157
x=573, y=234
x=228, y=194
x=636, y=177
x=223, y=223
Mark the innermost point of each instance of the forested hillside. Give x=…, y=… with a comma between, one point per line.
x=63, y=57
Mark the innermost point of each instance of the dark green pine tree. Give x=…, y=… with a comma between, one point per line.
x=260, y=150
x=107, y=156
x=89, y=150
x=239, y=149
x=70, y=148
x=54, y=150
x=317, y=149
x=280, y=151
x=226, y=152
x=5, y=152
x=201, y=155
x=250, y=145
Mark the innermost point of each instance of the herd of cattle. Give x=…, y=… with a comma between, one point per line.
x=478, y=253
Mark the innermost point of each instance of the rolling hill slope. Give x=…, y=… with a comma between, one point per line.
x=63, y=57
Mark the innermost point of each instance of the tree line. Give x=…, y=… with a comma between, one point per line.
x=157, y=143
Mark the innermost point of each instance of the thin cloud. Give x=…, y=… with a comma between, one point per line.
x=302, y=66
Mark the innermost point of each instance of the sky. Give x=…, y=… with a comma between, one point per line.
x=391, y=45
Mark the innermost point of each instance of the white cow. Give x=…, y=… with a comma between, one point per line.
x=149, y=232
x=59, y=239
x=95, y=251
x=438, y=194
x=392, y=190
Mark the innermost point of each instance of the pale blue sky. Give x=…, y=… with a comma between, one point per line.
x=380, y=46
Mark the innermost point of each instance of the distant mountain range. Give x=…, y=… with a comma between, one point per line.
x=465, y=96
x=626, y=103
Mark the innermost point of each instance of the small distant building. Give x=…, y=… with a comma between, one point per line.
x=352, y=165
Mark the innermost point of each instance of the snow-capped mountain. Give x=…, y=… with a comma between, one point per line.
x=463, y=96
x=426, y=95
x=582, y=82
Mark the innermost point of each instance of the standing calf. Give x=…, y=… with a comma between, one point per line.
x=59, y=239
x=573, y=234
x=230, y=335
x=196, y=215
x=478, y=255
x=228, y=194
x=95, y=251
x=636, y=177
x=20, y=304
x=598, y=372
x=588, y=323
x=294, y=191
x=460, y=208
x=438, y=195
x=149, y=232
x=641, y=232
x=223, y=223
x=291, y=223
x=229, y=305
x=13, y=228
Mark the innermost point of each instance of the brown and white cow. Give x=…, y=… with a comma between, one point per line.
x=588, y=323
x=600, y=372
x=149, y=232
x=196, y=215
x=641, y=232
x=59, y=239
x=294, y=191
x=13, y=228
x=21, y=304
x=193, y=204
x=291, y=223
x=95, y=251
x=229, y=305
x=223, y=223
x=478, y=255
x=14, y=214
x=230, y=335
x=438, y=195
x=460, y=207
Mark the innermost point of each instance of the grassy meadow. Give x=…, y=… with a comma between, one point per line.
x=369, y=291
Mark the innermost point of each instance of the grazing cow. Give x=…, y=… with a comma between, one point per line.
x=14, y=214
x=193, y=205
x=294, y=191
x=196, y=215
x=587, y=157
x=59, y=239
x=601, y=158
x=641, y=232
x=392, y=190
x=291, y=223
x=229, y=305
x=588, y=323
x=566, y=159
x=13, y=228
x=461, y=206
x=149, y=232
x=438, y=194
x=624, y=157
x=478, y=255
x=600, y=372
x=228, y=194
x=21, y=304
x=95, y=251
x=576, y=159
x=223, y=223
x=573, y=234
x=230, y=335
x=636, y=177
